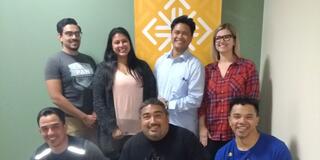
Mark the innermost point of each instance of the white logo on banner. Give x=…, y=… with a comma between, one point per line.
x=163, y=31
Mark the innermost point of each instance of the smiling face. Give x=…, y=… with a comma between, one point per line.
x=70, y=38
x=121, y=45
x=181, y=37
x=243, y=120
x=53, y=131
x=154, y=122
x=224, y=41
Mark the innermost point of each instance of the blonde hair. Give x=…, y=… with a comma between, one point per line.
x=236, y=47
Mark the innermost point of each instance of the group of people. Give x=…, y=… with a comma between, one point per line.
x=181, y=110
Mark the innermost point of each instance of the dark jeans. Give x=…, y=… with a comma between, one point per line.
x=213, y=146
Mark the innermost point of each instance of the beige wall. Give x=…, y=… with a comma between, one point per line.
x=290, y=74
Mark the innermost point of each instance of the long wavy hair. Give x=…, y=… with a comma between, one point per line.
x=236, y=47
x=111, y=60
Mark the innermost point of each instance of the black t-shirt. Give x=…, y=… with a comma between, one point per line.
x=178, y=144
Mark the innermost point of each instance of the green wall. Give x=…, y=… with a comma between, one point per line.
x=246, y=16
x=28, y=37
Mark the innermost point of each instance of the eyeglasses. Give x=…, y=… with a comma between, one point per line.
x=70, y=34
x=225, y=37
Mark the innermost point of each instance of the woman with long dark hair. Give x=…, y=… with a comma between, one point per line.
x=121, y=83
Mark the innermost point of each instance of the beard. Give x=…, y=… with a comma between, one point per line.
x=73, y=45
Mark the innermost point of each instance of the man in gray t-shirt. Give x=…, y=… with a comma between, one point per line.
x=68, y=76
x=58, y=144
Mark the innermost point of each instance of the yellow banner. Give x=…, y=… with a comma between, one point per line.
x=152, y=26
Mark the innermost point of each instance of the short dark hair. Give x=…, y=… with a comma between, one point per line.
x=52, y=110
x=243, y=101
x=153, y=101
x=186, y=20
x=65, y=21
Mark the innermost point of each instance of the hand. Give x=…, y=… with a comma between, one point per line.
x=89, y=120
x=94, y=114
x=204, y=135
x=164, y=101
x=117, y=134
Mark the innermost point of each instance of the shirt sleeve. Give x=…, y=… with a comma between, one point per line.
x=283, y=153
x=125, y=152
x=52, y=69
x=149, y=83
x=104, y=112
x=219, y=155
x=195, y=91
x=93, y=64
x=252, y=83
x=33, y=155
x=195, y=150
x=204, y=103
x=93, y=152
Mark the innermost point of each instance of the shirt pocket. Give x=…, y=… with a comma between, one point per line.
x=237, y=85
x=180, y=88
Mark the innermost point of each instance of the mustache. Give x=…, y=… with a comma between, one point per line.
x=154, y=125
x=75, y=40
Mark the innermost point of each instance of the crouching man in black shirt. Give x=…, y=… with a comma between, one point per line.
x=58, y=145
x=160, y=140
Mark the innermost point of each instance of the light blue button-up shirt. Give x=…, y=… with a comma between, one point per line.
x=180, y=81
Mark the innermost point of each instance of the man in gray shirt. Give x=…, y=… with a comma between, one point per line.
x=68, y=76
x=58, y=145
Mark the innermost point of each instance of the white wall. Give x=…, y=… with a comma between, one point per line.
x=290, y=74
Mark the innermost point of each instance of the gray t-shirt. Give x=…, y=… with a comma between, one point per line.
x=78, y=149
x=76, y=74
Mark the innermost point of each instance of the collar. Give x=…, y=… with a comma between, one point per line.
x=238, y=61
x=69, y=54
x=163, y=139
x=185, y=55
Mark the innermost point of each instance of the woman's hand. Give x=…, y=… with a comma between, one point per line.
x=204, y=135
x=117, y=134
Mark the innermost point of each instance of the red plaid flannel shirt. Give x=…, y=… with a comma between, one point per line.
x=241, y=79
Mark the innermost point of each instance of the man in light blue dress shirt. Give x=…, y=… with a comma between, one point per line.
x=180, y=77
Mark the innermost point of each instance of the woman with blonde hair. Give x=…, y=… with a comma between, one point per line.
x=227, y=77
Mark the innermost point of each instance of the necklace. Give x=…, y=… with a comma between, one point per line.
x=124, y=71
x=123, y=68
